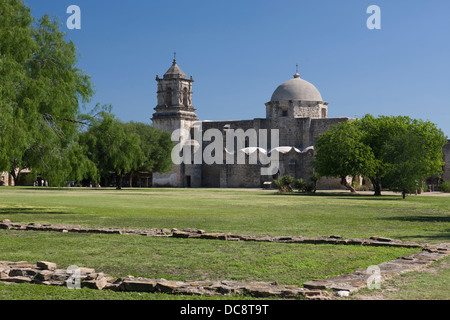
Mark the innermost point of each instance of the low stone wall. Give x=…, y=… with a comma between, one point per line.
x=7, y=224
x=193, y=233
x=46, y=273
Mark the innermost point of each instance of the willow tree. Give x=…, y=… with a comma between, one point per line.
x=41, y=94
x=111, y=147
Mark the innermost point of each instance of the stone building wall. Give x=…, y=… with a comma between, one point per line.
x=6, y=179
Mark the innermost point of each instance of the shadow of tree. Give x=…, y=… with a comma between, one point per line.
x=342, y=195
x=444, y=219
x=10, y=211
x=444, y=237
x=441, y=235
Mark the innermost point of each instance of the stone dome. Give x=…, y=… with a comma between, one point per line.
x=296, y=89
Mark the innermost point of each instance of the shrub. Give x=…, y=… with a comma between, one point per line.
x=310, y=188
x=300, y=185
x=284, y=183
x=445, y=186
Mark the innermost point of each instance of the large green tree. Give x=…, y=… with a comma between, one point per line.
x=41, y=90
x=393, y=152
x=406, y=150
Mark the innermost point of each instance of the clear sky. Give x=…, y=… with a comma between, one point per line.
x=239, y=52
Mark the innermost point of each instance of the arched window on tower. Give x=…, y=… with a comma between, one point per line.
x=185, y=97
x=324, y=113
x=169, y=96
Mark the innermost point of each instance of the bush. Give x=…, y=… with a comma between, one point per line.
x=300, y=185
x=284, y=183
x=445, y=186
x=310, y=188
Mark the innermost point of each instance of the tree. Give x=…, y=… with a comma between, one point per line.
x=111, y=147
x=340, y=152
x=412, y=156
x=406, y=150
x=394, y=152
x=156, y=146
x=41, y=91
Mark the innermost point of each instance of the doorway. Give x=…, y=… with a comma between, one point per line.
x=188, y=181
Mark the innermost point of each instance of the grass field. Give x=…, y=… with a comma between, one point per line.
x=261, y=212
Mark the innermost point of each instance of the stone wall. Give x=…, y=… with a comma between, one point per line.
x=6, y=179
x=298, y=132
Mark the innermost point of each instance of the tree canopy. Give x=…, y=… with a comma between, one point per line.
x=121, y=148
x=156, y=147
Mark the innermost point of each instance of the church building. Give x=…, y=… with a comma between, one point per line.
x=296, y=110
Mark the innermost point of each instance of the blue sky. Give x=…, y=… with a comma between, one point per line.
x=239, y=52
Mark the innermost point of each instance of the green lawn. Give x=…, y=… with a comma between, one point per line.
x=421, y=219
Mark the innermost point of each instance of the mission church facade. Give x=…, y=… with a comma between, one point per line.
x=296, y=110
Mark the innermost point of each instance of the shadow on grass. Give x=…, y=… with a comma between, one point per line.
x=44, y=189
x=444, y=237
x=30, y=211
x=419, y=218
x=341, y=195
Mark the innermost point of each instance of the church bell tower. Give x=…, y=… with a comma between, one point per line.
x=174, y=111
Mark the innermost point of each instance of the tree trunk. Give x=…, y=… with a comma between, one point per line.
x=404, y=194
x=376, y=186
x=119, y=182
x=347, y=185
x=14, y=175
